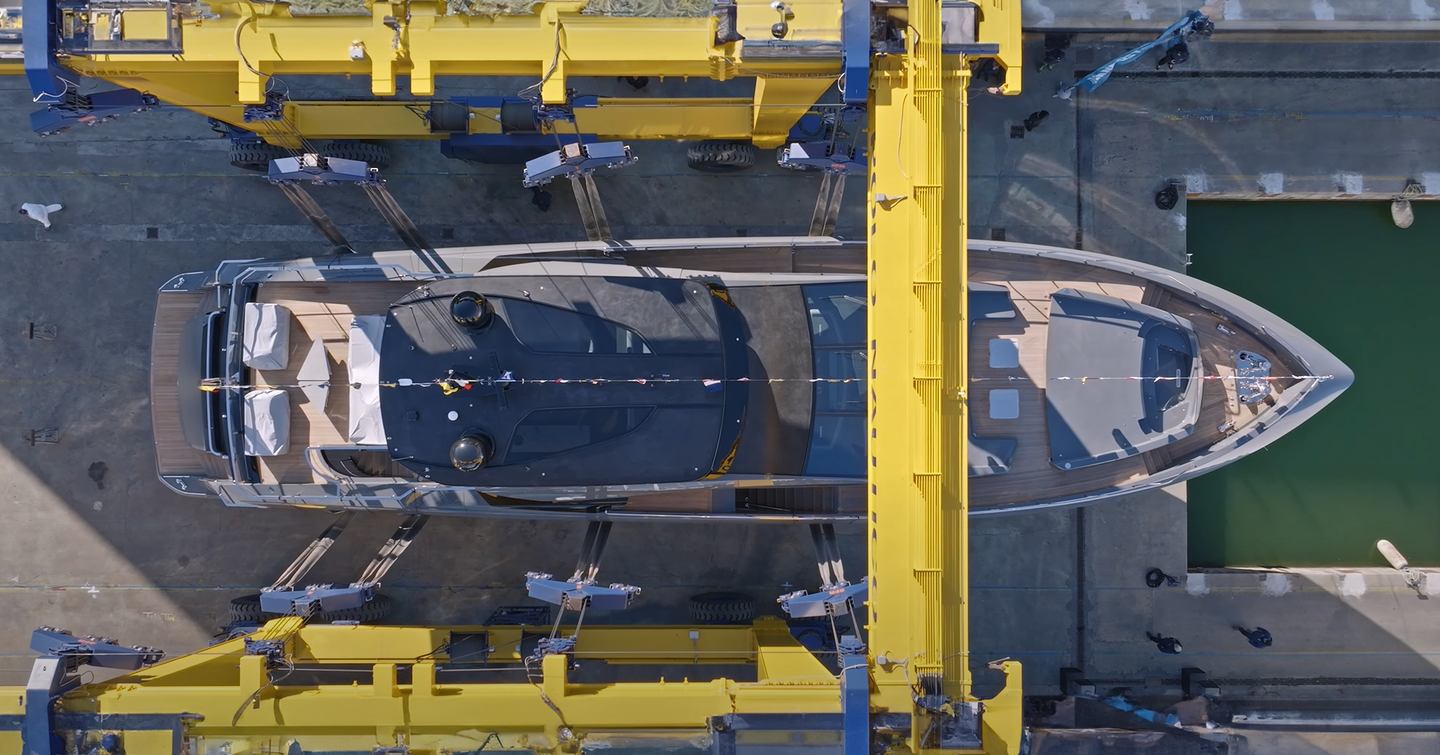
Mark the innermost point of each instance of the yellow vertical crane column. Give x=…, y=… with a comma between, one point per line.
x=917, y=531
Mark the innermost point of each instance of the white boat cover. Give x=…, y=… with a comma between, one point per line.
x=267, y=422
x=366, y=427
x=266, y=345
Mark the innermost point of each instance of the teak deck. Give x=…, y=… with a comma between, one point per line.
x=320, y=312
x=1031, y=282
x=173, y=454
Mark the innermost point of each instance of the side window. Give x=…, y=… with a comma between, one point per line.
x=840, y=363
x=541, y=327
x=837, y=343
x=546, y=432
x=837, y=313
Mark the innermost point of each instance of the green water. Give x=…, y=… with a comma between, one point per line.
x=1367, y=466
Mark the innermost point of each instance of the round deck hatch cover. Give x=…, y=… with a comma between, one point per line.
x=471, y=309
x=470, y=452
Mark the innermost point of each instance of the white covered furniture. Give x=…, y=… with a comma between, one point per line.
x=364, y=365
x=267, y=422
x=266, y=342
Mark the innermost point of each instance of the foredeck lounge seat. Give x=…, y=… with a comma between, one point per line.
x=366, y=427
x=988, y=456
x=989, y=301
x=267, y=422
x=314, y=375
x=266, y=341
x=1155, y=401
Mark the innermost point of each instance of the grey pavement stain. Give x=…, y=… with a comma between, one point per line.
x=97, y=473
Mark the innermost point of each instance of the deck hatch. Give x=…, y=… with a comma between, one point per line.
x=543, y=328
x=545, y=432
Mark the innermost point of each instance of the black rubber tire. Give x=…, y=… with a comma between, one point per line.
x=720, y=157
x=722, y=608
x=246, y=610
x=255, y=156
x=376, y=155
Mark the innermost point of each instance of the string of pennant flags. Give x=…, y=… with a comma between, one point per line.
x=450, y=384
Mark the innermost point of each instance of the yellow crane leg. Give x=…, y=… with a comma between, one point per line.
x=1000, y=25
x=779, y=102
x=1004, y=720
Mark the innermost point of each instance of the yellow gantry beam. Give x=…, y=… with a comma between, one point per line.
x=235, y=56
x=611, y=118
x=234, y=59
x=253, y=41
x=909, y=269
x=918, y=534
x=395, y=690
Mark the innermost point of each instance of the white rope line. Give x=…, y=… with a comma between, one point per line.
x=506, y=379
x=1157, y=379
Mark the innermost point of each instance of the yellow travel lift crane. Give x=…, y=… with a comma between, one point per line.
x=293, y=687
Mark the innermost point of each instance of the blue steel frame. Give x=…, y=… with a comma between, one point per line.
x=61, y=654
x=855, y=46
x=50, y=87
x=854, y=696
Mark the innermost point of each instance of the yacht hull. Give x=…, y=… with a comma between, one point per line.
x=1092, y=377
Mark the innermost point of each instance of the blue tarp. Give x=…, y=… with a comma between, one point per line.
x=1176, y=32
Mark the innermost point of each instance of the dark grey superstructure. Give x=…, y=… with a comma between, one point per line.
x=716, y=378
x=582, y=329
